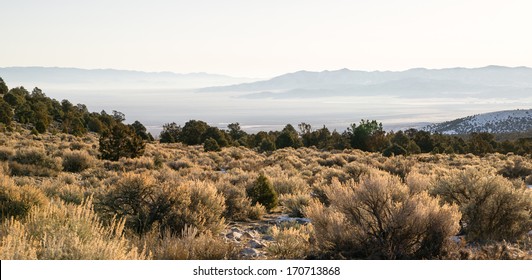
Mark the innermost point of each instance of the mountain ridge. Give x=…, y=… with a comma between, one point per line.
x=489, y=75
x=507, y=121
x=66, y=76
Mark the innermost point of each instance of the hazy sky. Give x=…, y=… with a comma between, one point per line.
x=265, y=38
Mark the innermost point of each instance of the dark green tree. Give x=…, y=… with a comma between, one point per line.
x=120, y=141
x=394, y=150
x=424, y=141
x=266, y=145
x=400, y=139
x=288, y=138
x=171, y=133
x=94, y=124
x=6, y=113
x=367, y=136
x=193, y=131
x=339, y=141
x=119, y=116
x=218, y=135
x=235, y=132
x=263, y=192
x=3, y=87
x=141, y=131
x=16, y=96
x=482, y=143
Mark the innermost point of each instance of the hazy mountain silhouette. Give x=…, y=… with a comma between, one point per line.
x=57, y=77
x=485, y=82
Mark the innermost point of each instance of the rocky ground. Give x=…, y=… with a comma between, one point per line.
x=254, y=237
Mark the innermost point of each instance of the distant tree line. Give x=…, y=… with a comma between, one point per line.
x=367, y=136
x=40, y=114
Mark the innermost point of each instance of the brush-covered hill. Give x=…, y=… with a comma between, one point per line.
x=511, y=121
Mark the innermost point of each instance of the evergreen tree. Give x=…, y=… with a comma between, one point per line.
x=171, y=133
x=193, y=131
x=120, y=141
x=6, y=113
x=3, y=87
x=263, y=192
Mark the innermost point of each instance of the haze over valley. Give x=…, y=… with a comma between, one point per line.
x=412, y=98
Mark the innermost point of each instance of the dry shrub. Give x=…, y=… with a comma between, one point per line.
x=285, y=184
x=238, y=176
x=329, y=174
x=133, y=198
x=34, y=162
x=238, y=205
x=330, y=161
x=133, y=164
x=15, y=242
x=295, y=203
x=6, y=153
x=528, y=180
x=379, y=218
x=142, y=201
x=418, y=182
x=355, y=170
x=492, y=207
x=69, y=193
x=189, y=245
x=290, y=243
x=499, y=251
x=516, y=168
x=398, y=165
x=17, y=201
x=206, y=207
x=77, y=161
x=65, y=232
x=180, y=164
x=257, y=211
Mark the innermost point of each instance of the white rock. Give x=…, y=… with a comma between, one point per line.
x=234, y=235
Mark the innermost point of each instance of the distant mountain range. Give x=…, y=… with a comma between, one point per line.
x=485, y=82
x=495, y=122
x=68, y=78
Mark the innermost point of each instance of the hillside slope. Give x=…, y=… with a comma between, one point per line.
x=494, y=122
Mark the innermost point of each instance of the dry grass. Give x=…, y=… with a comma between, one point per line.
x=62, y=231
x=290, y=243
x=174, y=201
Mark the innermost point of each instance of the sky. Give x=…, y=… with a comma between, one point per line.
x=260, y=39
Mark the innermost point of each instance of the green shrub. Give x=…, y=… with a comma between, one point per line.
x=211, y=145
x=262, y=191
